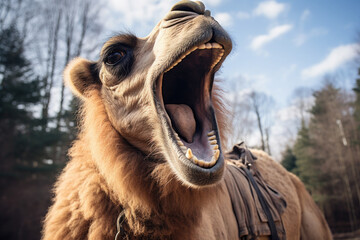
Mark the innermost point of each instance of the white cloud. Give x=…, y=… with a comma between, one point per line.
x=288, y=121
x=269, y=9
x=283, y=131
x=243, y=15
x=211, y=2
x=136, y=14
x=224, y=19
x=249, y=82
x=301, y=38
x=289, y=113
x=257, y=81
x=305, y=15
x=289, y=70
x=273, y=33
x=337, y=57
x=141, y=15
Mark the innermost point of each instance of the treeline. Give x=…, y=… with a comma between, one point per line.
x=37, y=114
x=326, y=154
x=320, y=138
x=37, y=40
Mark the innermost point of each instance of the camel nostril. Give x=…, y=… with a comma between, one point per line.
x=184, y=11
x=189, y=6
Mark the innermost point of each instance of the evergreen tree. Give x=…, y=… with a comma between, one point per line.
x=19, y=95
x=313, y=148
x=324, y=161
x=356, y=89
x=67, y=130
x=306, y=165
x=288, y=159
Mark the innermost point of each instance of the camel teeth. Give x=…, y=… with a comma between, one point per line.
x=216, y=154
x=206, y=164
x=195, y=160
x=216, y=45
x=213, y=45
x=202, y=46
x=180, y=143
x=221, y=53
x=213, y=137
x=211, y=133
x=208, y=45
x=189, y=154
x=201, y=163
x=214, y=142
x=213, y=161
x=216, y=147
x=193, y=49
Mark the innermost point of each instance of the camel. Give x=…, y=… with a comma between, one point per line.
x=150, y=150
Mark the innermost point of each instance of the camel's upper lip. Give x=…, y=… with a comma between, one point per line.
x=183, y=92
x=209, y=45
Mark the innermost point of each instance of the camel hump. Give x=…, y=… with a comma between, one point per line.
x=252, y=218
x=313, y=223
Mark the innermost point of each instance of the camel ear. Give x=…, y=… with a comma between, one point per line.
x=81, y=74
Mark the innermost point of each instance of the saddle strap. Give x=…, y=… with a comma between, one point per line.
x=264, y=205
x=120, y=230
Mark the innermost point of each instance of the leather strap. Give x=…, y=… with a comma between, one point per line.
x=120, y=230
x=264, y=205
x=240, y=151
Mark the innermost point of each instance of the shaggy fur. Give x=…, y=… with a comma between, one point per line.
x=89, y=193
x=105, y=173
x=120, y=160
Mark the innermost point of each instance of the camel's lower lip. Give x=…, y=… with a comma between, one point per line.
x=195, y=173
x=184, y=95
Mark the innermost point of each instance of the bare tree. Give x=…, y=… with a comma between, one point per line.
x=6, y=10
x=262, y=105
x=303, y=102
x=80, y=21
x=53, y=17
x=268, y=150
x=18, y=13
x=241, y=119
x=58, y=33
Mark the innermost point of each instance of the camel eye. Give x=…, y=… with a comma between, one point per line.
x=115, y=57
x=118, y=59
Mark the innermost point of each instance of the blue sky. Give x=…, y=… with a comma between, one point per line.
x=299, y=53
x=278, y=45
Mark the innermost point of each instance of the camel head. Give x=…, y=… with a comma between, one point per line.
x=157, y=91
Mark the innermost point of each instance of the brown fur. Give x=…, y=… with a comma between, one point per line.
x=106, y=171
x=120, y=160
x=88, y=202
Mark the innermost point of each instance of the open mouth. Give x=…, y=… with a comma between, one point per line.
x=184, y=91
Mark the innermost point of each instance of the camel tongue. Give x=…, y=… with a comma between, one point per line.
x=183, y=120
